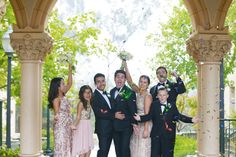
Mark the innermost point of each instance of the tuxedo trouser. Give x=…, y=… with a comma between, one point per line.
x=122, y=141
x=104, y=141
x=162, y=147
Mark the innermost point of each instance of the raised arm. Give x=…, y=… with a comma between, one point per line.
x=69, y=82
x=180, y=87
x=129, y=78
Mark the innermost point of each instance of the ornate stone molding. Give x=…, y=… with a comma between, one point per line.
x=31, y=46
x=2, y=9
x=208, y=47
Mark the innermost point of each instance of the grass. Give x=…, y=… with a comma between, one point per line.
x=184, y=146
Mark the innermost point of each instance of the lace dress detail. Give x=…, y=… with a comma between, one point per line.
x=62, y=130
x=139, y=146
x=83, y=135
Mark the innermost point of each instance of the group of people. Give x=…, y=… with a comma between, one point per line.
x=141, y=123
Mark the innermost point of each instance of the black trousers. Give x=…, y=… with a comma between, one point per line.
x=162, y=147
x=122, y=141
x=104, y=144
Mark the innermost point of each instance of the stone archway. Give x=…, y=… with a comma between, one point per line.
x=208, y=44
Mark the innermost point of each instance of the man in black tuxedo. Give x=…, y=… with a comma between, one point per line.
x=104, y=115
x=174, y=89
x=124, y=100
x=164, y=116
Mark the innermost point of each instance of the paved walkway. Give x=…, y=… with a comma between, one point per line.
x=111, y=152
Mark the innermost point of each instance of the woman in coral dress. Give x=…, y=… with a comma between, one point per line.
x=140, y=142
x=62, y=115
x=82, y=142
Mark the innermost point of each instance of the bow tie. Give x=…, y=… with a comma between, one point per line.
x=161, y=84
x=164, y=105
x=104, y=92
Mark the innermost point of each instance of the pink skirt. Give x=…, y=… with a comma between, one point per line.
x=82, y=138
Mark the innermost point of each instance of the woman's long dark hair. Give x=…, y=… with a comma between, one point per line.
x=81, y=95
x=53, y=90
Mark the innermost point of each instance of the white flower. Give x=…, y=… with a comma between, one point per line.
x=124, y=55
x=64, y=59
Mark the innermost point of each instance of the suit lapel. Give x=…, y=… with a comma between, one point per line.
x=102, y=98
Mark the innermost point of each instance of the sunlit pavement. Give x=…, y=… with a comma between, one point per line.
x=95, y=149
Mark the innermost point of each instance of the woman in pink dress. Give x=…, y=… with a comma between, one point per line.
x=140, y=142
x=62, y=115
x=82, y=142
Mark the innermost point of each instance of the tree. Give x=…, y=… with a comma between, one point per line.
x=77, y=35
x=171, y=52
x=171, y=46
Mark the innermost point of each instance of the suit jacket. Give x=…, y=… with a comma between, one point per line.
x=104, y=115
x=164, y=124
x=174, y=89
x=126, y=106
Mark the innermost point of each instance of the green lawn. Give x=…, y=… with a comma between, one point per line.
x=184, y=146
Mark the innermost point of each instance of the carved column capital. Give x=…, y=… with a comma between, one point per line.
x=208, y=47
x=2, y=9
x=31, y=46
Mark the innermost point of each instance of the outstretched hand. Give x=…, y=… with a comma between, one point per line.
x=174, y=73
x=137, y=117
x=119, y=115
x=195, y=119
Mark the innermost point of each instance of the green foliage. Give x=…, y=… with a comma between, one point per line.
x=8, y=20
x=78, y=35
x=229, y=60
x=184, y=146
x=233, y=116
x=185, y=102
x=44, y=135
x=171, y=46
x=5, y=152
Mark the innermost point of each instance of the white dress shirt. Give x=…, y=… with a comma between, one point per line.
x=105, y=97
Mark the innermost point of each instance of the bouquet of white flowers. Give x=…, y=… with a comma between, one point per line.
x=124, y=56
x=65, y=59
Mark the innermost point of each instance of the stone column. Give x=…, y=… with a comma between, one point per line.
x=31, y=49
x=208, y=50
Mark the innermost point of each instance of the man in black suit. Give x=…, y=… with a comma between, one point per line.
x=124, y=100
x=174, y=89
x=164, y=116
x=104, y=115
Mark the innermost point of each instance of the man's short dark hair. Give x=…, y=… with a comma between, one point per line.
x=161, y=67
x=120, y=71
x=98, y=75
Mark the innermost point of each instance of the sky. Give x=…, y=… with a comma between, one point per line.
x=135, y=43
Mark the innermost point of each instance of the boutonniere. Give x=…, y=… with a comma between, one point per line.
x=167, y=107
x=167, y=86
x=125, y=93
